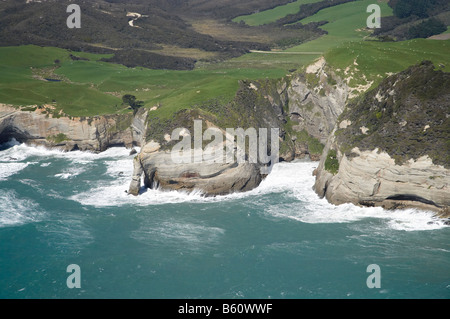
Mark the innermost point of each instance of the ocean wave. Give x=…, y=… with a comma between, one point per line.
x=312, y=209
x=179, y=234
x=15, y=157
x=68, y=233
x=10, y=169
x=10, y=164
x=71, y=172
x=9, y=144
x=17, y=211
x=114, y=194
x=294, y=180
x=119, y=168
x=22, y=152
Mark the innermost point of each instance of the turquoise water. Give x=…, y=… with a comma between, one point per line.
x=277, y=241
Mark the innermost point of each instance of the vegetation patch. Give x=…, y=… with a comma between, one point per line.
x=302, y=138
x=406, y=116
x=331, y=162
x=414, y=19
x=272, y=15
x=367, y=62
x=58, y=138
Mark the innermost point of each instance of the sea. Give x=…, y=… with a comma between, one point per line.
x=278, y=241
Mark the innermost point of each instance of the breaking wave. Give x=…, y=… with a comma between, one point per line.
x=293, y=181
x=15, y=210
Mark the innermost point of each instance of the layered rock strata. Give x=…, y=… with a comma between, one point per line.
x=209, y=177
x=86, y=134
x=391, y=147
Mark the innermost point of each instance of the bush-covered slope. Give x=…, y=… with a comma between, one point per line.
x=406, y=116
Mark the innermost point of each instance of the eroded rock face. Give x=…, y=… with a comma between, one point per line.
x=315, y=107
x=210, y=178
x=89, y=134
x=373, y=179
x=392, y=147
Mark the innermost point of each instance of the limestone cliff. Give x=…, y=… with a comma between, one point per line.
x=210, y=177
x=391, y=147
x=316, y=99
x=303, y=106
x=94, y=134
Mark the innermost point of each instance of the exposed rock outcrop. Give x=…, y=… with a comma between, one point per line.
x=391, y=148
x=93, y=134
x=316, y=99
x=303, y=107
x=373, y=179
x=210, y=178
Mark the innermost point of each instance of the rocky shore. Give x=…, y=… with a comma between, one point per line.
x=390, y=148
x=387, y=148
x=210, y=178
x=40, y=127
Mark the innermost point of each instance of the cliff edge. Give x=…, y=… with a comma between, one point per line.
x=39, y=126
x=391, y=146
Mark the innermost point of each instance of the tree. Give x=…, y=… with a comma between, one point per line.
x=427, y=28
x=406, y=8
x=130, y=100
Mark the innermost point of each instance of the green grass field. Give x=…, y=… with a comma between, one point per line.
x=18, y=87
x=346, y=22
x=372, y=61
x=94, y=88
x=272, y=15
x=269, y=60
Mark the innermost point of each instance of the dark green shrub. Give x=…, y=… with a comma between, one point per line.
x=332, y=163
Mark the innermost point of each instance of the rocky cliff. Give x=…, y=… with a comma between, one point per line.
x=304, y=107
x=210, y=177
x=391, y=147
x=38, y=126
x=316, y=99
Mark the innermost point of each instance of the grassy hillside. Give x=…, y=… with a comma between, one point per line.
x=272, y=15
x=22, y=82
x=84, y=85
x=95, y=87
x=371, y=61
x=346, y=22
x=166, y=36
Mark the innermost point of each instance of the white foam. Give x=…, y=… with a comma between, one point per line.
x=312, y=209
x=294, y=180
x=10, y=162
x=9, y=169
x=188, y=234
x=21, y=152
x=120, y=168
x=71, y=172
x=18, y=156
x=115, y=195
x=17, y=211
x=64, y=175
x=67, y=233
